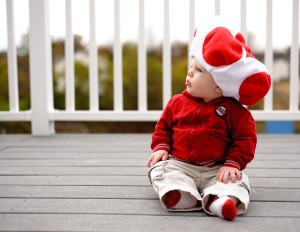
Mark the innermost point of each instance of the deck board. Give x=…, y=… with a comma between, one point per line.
x=127, y=192
x=99, y=183
x=283, y=164
x=128, y=171
x=131, y=207
x=106, y=222
x=258, y=182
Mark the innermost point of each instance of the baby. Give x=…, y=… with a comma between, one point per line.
x=205, y=136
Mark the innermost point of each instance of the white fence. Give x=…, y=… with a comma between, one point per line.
x=43, y=115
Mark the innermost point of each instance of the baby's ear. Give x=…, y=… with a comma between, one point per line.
x=219, y=90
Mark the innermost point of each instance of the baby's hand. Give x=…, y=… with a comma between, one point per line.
x=226, y=172
x=157, y=156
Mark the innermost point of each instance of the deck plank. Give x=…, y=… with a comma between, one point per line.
x=129, y=171
x=291, y=164
x=99, y=183
x=117, y=156
x=142, y=180
x=127, y=192
x=131, y=207
x=171, y=222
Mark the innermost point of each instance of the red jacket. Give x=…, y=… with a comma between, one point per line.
x=221, y=131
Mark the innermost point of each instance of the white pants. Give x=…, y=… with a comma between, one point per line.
x=199, y=181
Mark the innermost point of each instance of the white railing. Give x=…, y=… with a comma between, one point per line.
x=43, y=115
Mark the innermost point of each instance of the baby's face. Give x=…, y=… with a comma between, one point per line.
x=200, y=83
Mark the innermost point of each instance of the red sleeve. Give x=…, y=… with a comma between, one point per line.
x=244, y=139
x=162, y=136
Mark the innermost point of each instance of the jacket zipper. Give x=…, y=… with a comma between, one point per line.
x=191, y=131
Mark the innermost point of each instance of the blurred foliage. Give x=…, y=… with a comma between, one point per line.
x=154, y=79
x=24, y=82
x=130, y=76
x=106, y=88
x=4, y=104
x=81, y=86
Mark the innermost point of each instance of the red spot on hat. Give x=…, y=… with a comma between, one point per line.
x=220, y=48
x=254, y=88
x=195, y=32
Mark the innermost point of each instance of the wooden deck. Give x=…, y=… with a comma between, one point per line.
x=99, y=183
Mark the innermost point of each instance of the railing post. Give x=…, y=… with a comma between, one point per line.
x=117, y=56
x=12, y=59
x=167, y=72
x=142, y=60
x=294, y=59
x=69, y=56
x=40, y=68
x=268, y=100
x=93, y=61
x=192, y=30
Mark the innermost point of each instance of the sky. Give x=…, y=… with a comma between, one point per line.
x=179, y=19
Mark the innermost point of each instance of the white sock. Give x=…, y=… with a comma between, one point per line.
x=228, y=212
x=186, y=201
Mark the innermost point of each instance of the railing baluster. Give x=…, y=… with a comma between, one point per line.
x=192, y=29
x=118, y=67
x=142, y=65
x=217, y=7
x=93, y=61
x=294, y=63
x=69, y=54
x=41, y=87
x=268, y=106
x=243, y=16
x=12, y=59
x=167, y=90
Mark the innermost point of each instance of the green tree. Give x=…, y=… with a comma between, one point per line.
x=106, y=79
x=4, y=104
x=130, y=79
x=154, y=83
x=179, y=67
x=81, y=86
x=24, y=81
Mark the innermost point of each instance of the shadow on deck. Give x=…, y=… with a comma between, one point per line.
x=99, y=183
